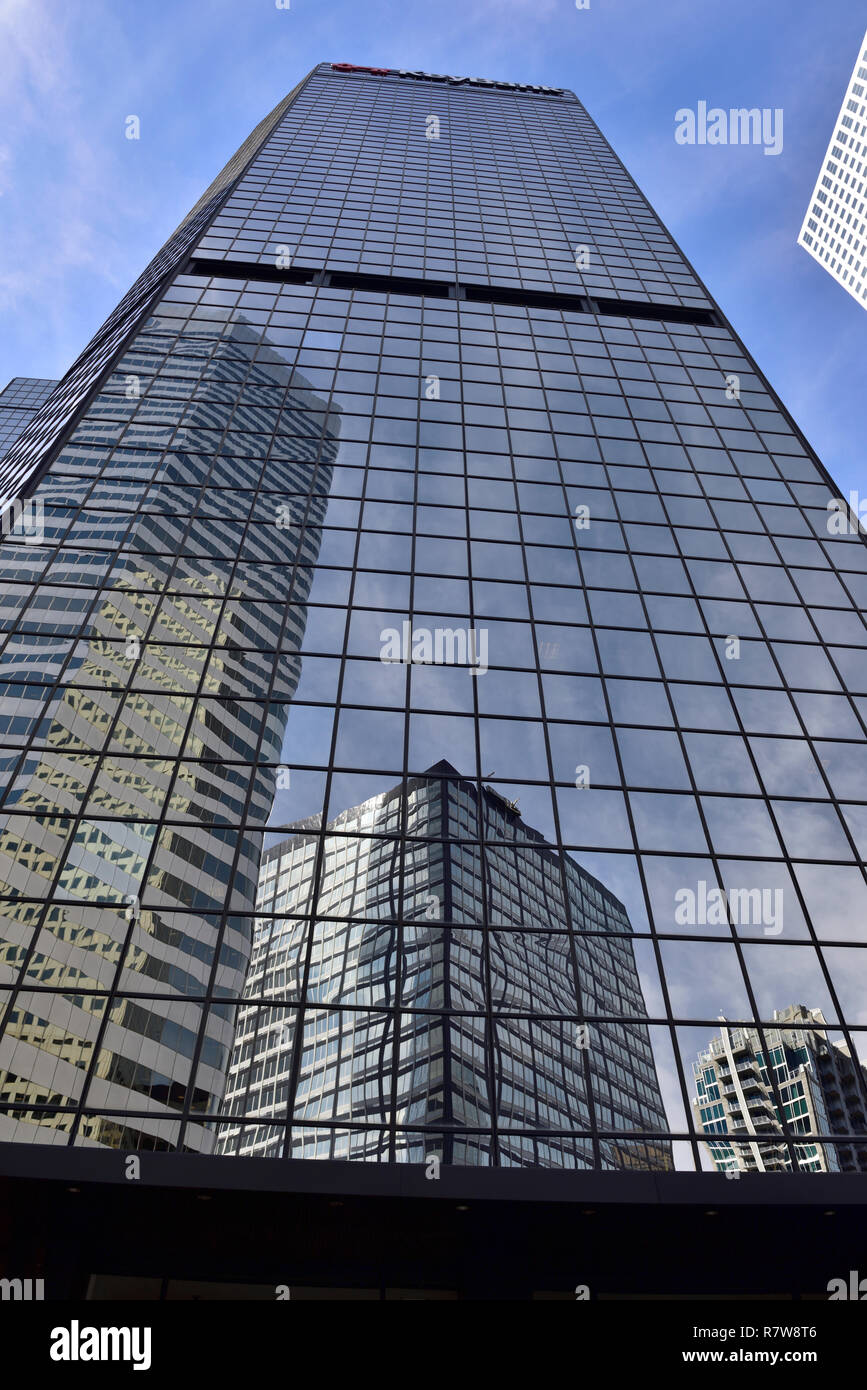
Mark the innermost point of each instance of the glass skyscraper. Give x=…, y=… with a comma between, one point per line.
x=436, y=694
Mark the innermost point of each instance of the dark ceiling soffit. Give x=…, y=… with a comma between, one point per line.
x=333, y=1177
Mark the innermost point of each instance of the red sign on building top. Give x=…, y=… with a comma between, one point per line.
x=354, y=67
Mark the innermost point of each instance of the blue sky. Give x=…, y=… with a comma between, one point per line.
x=82, y=209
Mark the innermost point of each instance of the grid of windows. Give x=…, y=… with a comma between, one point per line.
x=304, y=545
x=504, y=188
x=834, y=230
x=18, y=403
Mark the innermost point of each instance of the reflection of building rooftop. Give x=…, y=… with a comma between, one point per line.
x=502, y=824
x=494, y=948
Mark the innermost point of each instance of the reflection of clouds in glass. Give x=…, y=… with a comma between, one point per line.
x=666, y=877
x=777, y=908
x=836, y=899
x=739, y=826
x=704, y=979
x=787, y=767
x=442, y=688
x=429, y=734
x=592, y=817
x=779, y=972
x=667, y=822
x=811, y=831
x=848, y=970
x=299, y=794
x=374, y=684
x=307, y=735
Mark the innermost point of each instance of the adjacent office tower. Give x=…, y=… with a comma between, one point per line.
x=818, y=1083
x=19, y=402
x=416, y=525
x=834, y=230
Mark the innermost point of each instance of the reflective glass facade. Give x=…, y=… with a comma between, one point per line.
x=437, y=695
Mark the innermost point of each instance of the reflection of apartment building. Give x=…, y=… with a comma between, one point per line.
x=421, y=1033
x=153, y=710
x=741, y=1083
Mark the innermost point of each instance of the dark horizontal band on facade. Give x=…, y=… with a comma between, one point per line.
x=298, y=1121
x=381, y=1126
x=448, y=289
x=440, y=1126
x=306, y=1001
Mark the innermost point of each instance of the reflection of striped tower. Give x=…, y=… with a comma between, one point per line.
x=126, y=899
x=436, y=966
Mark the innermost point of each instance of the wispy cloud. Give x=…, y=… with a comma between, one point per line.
x=84, y=209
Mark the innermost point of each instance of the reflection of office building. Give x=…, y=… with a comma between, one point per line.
x=834, y=231
x=151, y=734
x=741, y=1082
x=425, y=1034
